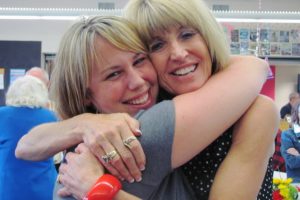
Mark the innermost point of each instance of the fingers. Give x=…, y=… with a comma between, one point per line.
x=63, y=192
x=81, y=148
x=116, y=164
x=131, y=171
x=137, y=150
x=135, y=146
x=133, y=124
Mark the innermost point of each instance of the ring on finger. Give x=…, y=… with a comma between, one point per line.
x=109, y=156
x=128, y=140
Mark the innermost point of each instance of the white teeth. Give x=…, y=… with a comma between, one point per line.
x=140, y=100
x=185, y=70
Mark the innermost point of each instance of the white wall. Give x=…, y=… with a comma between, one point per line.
x=285, y=81
x=49, y=32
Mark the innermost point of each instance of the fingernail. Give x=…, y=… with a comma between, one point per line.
x=142, y=168
x=131, y=181
x=139, y=179
x=139, y=131
x=121, y=178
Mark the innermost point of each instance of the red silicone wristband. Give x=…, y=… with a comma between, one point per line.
x=105, y=188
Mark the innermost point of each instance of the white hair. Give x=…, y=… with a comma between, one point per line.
x=27, y=91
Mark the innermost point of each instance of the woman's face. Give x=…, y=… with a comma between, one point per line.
x=122, y=81
x=181, y=59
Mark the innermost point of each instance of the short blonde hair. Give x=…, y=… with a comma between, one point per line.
x=76, y=57
x=153, y=16
x=27, y=91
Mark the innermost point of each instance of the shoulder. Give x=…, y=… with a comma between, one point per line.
x=158, y=111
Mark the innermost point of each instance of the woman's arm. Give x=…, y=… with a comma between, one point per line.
x=222, y=101
x=253, y=145
x=102, y=133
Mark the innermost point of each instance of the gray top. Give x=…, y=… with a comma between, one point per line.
x=159, y=181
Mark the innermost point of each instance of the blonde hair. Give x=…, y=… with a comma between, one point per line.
x=27, y=91
x=152, y=16
x=77, y=55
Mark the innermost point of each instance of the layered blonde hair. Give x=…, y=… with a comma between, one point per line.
x=77, y=56
x=27, y=91
x=155, y=16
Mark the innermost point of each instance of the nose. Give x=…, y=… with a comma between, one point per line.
x=135, y=80
x=177, y=52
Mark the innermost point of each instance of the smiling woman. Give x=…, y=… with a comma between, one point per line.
x=110, y=69
x=181, y=58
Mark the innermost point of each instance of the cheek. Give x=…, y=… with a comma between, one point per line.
x=106, y=98
x=158, y=61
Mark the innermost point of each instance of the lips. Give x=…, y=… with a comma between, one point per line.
x=184, y=71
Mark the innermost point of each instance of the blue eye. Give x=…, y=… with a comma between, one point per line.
x=139, y=60
x=155, y=46
x=187, y=34
x=113, y=75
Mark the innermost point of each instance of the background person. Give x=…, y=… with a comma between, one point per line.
x=40, y=74
x=286, y=110
x=26, y=102
x=290, y=146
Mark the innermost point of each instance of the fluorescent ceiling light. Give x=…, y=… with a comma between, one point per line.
x=282, y=21
x=20, y=17
x=74, y=13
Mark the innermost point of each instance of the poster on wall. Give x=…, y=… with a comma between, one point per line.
x=16, y=73
x=2, y=78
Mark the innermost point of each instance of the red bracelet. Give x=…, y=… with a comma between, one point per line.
x=105, y=188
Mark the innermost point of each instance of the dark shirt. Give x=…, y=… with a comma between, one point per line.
x=201, y=170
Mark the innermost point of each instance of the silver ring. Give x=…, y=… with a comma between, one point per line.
x=109, y=156
x=128, y=140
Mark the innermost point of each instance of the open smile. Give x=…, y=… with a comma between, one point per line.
x=139, y=100
x=184, y=71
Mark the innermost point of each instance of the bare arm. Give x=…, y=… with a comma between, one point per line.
x=102, y=133
x=253, y=145
x=223, y=99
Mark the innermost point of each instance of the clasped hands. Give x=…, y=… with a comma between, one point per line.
x=108, y=140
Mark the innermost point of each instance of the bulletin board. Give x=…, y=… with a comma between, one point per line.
x=16, y=57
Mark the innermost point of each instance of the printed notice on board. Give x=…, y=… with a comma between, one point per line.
x=1, y=78
x=16, y=73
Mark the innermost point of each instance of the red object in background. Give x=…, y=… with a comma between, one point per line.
x=269, y=86
x=276, y=195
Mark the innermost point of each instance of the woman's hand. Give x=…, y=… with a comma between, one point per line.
x=104, y=134
x=79, y=173
x=292, y=151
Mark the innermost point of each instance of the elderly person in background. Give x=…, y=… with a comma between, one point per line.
x=40, y=74
x=290, y=146
x=286, y=110
x=26, y=107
